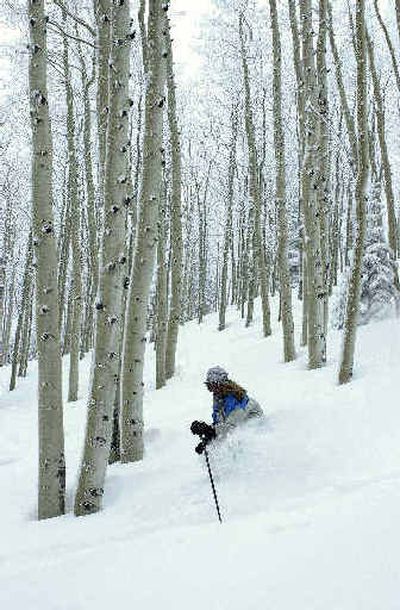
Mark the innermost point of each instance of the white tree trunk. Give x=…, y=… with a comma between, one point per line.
x=26, y=293
x=102, y=10
x=146, y=241
x=316, y=287
x=92, y=212
x=387, y=170
x=324, y=189
x=113, y=264
x=228, y=237
x=176, y=221
x=75, y=227
x=162, y=292
x=280, y=193
x=51, y=497
x=353, y=302
x=260, y=262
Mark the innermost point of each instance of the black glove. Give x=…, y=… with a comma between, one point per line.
x=200, y=447
x=206, y=432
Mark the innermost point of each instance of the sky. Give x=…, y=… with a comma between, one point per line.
x=186, y=25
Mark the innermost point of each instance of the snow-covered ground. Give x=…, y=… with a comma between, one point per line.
x=310, y=498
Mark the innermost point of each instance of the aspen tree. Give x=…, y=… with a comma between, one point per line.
x=189, y=251
x=315, y=280
x=349, y=225
x=161, y=294
x=112, y=270
x=75, y=227
x=130, y=227
x=26, y=330
x=234, y=271
x=66, y=338
x=387, y=171
x=228, y=237
x=280, y=192
x=215, y=299
x=26, y=291
x=90, y=195
x=176, y=221
x=303, y=291
x=146, y=240
x=202, y=249
x=10, y=305
x=323, y=192
x=251, y=267
x=375, y=207
x=63, y=254
x=102, y=11
x=294, y=28
x=334, y=237
x=143, y=33
x=139, y=134
x=353, y=301
x=51, y=496
x=203, y=252
x=9, y=293
x=255, y=193
x=134, y=210
x=244, y=274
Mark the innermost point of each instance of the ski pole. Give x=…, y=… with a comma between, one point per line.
x=212, y=485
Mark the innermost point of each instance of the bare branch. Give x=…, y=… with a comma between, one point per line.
x=64, y=33
x=81, y=22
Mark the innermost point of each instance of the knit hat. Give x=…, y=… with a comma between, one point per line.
x=216, y=374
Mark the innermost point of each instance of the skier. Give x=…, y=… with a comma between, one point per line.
x=231, y=407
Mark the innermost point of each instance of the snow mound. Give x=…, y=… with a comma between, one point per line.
x=309, y=496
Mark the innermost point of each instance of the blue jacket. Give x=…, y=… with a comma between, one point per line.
x=225, y=406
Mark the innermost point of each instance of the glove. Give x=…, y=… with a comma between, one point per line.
x=197, y=426
x=200, y=447
x=206, y=432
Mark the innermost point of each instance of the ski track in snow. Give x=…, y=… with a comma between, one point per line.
x=310, y=497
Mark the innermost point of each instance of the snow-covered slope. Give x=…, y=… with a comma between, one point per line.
x=310, y=498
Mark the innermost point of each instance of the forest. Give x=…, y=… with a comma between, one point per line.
x=185, y=184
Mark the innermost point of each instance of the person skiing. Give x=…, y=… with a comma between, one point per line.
x=231, y=407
